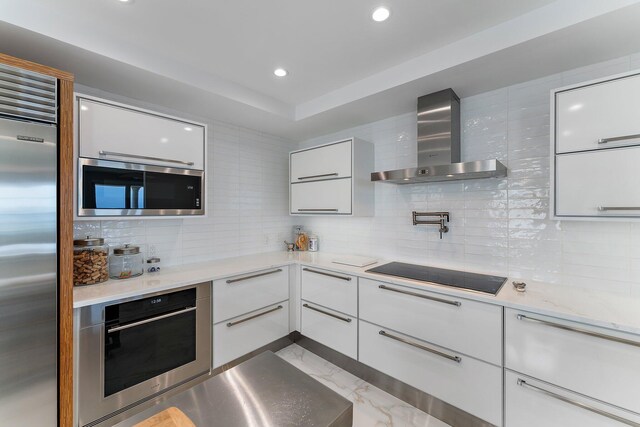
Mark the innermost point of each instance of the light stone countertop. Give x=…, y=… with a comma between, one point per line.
x=597, y=308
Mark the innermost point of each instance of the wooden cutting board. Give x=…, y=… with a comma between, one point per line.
x=170, y=417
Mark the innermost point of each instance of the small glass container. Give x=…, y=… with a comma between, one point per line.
x=313, y=243
x=153, y=265
x=126, y=262
x=90, y=261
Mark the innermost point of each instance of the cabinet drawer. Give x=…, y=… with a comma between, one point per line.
x=578, y=357
x=243, y=334
x=337, y=291
x=326, y=162
x=611, y=178
x=127, y=134
x=465, y=326
x=241, y=294
x=532, y=403
x=336, y=330
x=322, y=197
x=603, y=111
x=467, y=383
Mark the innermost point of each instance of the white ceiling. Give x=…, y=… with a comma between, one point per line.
x=216, y=57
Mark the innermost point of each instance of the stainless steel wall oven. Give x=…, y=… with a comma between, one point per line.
x=135, y=349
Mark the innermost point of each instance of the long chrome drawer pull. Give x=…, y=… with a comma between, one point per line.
x=237, y=322
x=327, y=274
x=618, y=138
x=421, y=347
x=317, y=210
x=523, y=383
x=414, y=294
x=618, y=208
x=153, y=319
x=319, y=176
x=253, y=276
x=136, y=156
x=335, y=316
x=579, y=330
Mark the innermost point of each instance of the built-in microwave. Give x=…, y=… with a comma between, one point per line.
x=112, y=188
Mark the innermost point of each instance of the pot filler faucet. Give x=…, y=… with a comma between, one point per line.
x=444, y=217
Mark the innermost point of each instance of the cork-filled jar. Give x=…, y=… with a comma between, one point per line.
x=90, y=261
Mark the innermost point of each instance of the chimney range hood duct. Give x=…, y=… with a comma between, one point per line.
x=439, y=146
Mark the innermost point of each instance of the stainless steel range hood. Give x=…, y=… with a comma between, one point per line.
x=439, y=146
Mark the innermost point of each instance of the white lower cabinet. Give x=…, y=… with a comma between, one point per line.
x=334, y=329
x=533, y=403
x=330, y=289
x=463, y=325
x=240, y=294
x=594, y=362
x=467, y=383
x=243, y=334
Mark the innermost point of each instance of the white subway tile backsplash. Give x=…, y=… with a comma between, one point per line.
x=497, y=226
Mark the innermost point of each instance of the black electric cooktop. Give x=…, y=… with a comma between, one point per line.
x=456, y=279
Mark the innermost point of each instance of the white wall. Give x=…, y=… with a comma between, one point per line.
x=247, y=204
x=498, y=225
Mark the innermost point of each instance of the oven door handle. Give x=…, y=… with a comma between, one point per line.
x=152, y=319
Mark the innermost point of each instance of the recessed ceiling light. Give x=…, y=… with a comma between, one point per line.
x=188, y=129
x=280, y=72
x=164, y=140
x=126, y=1
x=380, y=14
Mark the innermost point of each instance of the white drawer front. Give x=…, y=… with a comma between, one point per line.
x=471, y=385
x=597, y=367
x=471, y=327
x=243, y=334
x=337, y=291
x=336, y=330
x=533, y=403
x=241, y=294
x=322, y=197
x=128, y=134
x=329, y=161
x=607, y=179
x=591, y=113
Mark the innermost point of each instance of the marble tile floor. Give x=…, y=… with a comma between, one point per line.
x=372, y=407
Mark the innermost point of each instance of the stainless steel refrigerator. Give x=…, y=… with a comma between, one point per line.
x=28, y=249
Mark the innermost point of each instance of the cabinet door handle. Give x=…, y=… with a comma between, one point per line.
x=618, y=208
x=317, y=210
x=335, y=316
x=237, y=322
x=253, y=276
x=578, y=330
x=565, y=399
x=136, y=156
x=335, y=276
x=456, y=359
x=415, y=294
x=324, y=175
x=618, y=138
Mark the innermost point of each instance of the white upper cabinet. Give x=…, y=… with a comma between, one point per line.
x=114, y=131
x=595, y=150
x=600, y=115
x=332, y=179
x=329, y=161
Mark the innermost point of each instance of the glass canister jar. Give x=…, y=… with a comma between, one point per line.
x=126, y=262
x=90, y=261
